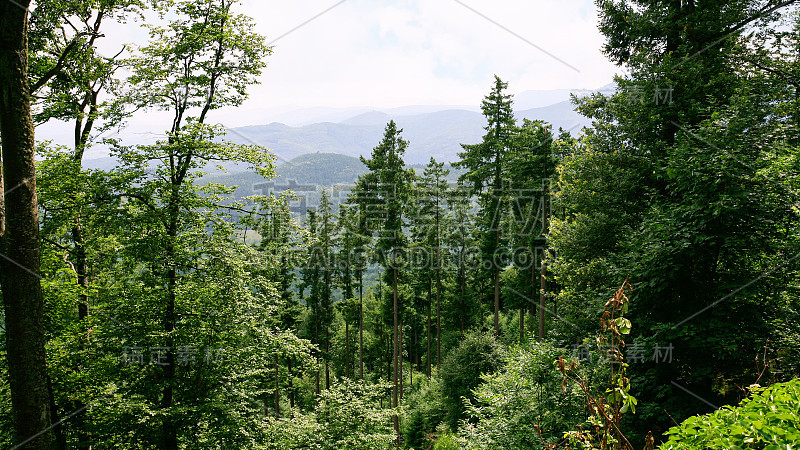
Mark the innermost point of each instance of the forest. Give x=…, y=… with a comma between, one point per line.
x=631, y=285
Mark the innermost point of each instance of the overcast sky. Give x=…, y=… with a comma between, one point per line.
x=388, y=53
x=391, y=53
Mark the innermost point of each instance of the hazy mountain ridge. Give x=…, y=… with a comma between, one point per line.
x=431, y=130
x=438, y=134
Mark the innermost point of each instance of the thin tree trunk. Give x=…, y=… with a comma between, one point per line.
x=497, y=301
x=428, y=330
x=463, y=276
x=533, y=315
x=316, y=341
x=361, y=326
x=522, y=325
x=396, y=349
x=327, y=357
x=19, y=238
x=400, y=357
x=347, y=349
x=277, y=389
x=58, y=428
x=169, y=429
x=81, y=270
x=542, y=297
x=291, y=383
x=438, y=310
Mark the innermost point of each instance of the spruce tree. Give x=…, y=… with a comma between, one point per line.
x=384, y=191
x=485, y=163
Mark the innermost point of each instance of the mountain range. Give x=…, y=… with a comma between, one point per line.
x=435, y=134
x=432, y=131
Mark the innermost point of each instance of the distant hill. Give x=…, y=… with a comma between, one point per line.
x=431, y=130
x=324, y=169
x=438, y=134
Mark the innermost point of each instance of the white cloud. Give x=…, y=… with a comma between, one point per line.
x=389, y=53
x=393, y=53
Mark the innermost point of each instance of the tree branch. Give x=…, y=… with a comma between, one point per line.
x=59, y=64
x=762, y=12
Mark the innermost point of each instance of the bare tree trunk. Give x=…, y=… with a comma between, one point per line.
x=428, y=330
x=533, y=295
x=347, y=349
x=327, y=357
x=19, y=238
x=291, y=384
x=361, y=326
x=463, y=276
x=396, y=349
x=277, y=389
x=542, y=298
x=438, y=313
x=170, y=432
x=400, y=357
x=522, y=325
x=316, y=341
x=497, y=301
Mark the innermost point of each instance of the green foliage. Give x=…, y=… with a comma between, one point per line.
x=425, y=413
x=768, y=419
x=325, y=169
x=603, y=428
x=347, y=416
x=695, y=198
x=486, y=164
x=522, y=405
x=447, y=441
x=673, y=191
x=476, y=355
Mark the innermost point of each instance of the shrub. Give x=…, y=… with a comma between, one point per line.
x=769, y=419
x=425, y=413
x=347, y=416
x=476, y=355
x=522, y=405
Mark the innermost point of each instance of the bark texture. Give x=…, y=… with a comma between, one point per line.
x=19, y=237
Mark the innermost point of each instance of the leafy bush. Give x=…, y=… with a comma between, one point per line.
x=447, y=442
x=347, y=416
x=522, y=406
x=461, y=371
x=425, y=412
x=769, y=419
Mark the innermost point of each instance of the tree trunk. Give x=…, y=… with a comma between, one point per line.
x=463, y=276
x=361, y=326
x=522, y=325
x=170, y=432
x=327, y=356
x=400, y=357
x=395, y=399
x=316, y=341
x=19, y=238
x=58, y=426
x=277, y=389
x=497, y=301
x=532, y=311
x=438, y=313
x=347, y=349
x=542, y=298
x=82, y=271
x=428, y=355
x=291, y=384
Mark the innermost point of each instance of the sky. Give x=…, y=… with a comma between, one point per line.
x=391, y=53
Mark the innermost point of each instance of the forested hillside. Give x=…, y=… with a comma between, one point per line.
x=634, y=285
